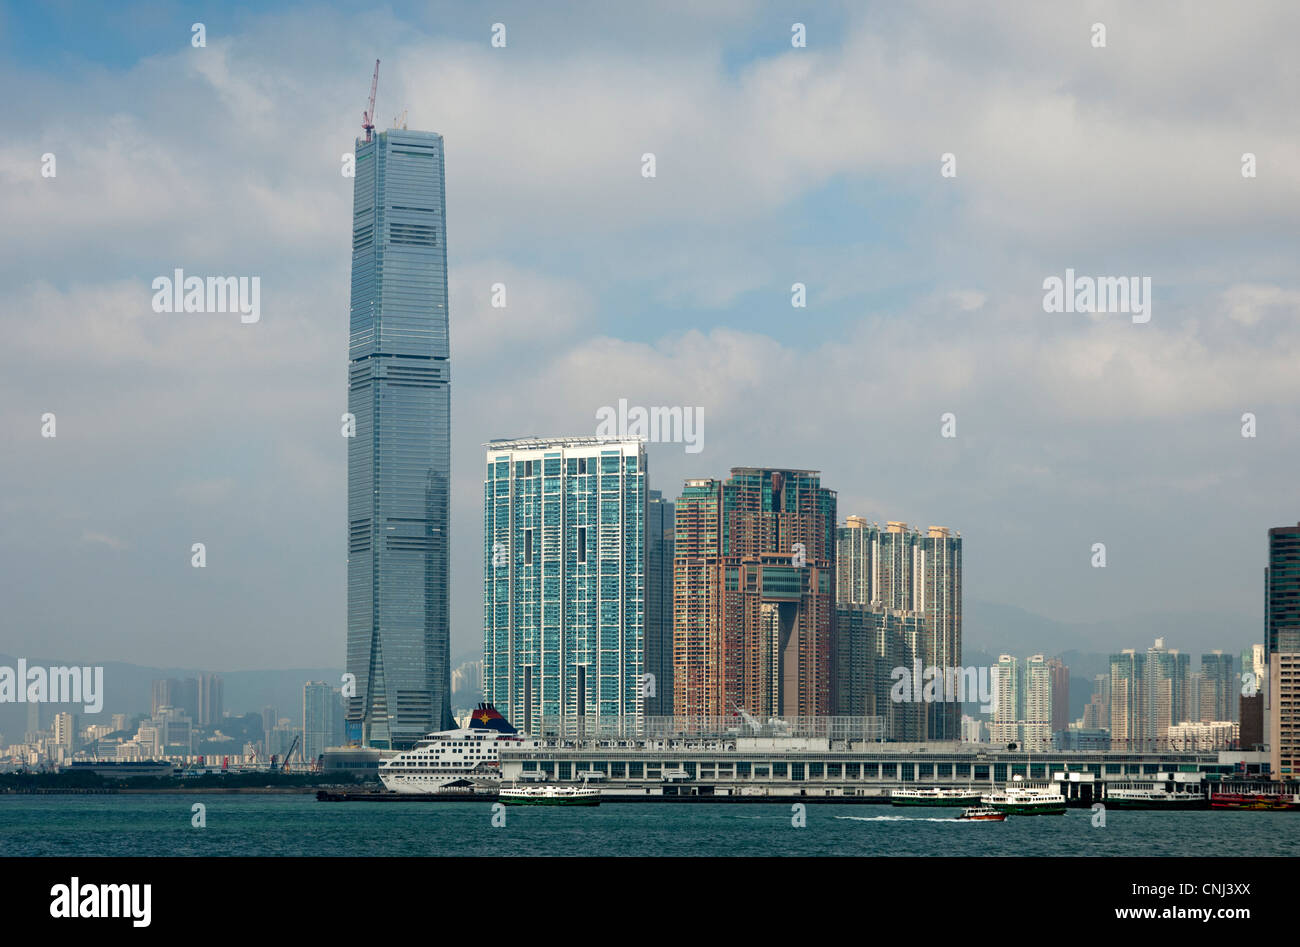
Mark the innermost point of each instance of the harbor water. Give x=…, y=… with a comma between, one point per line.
x=297, y=824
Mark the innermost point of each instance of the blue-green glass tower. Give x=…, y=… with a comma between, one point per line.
x=564, y=570
x=399, y=458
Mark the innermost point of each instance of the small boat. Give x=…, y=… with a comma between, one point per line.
x=981, y=814
x=549, y=796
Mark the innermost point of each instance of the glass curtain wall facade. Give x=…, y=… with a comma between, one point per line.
x=660, y=538
x=1282, y=641
x=564, y=587
x=399, y=458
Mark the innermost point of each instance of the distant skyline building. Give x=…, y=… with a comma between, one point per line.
x=660, y=542
x=1097, y=713
x=270, y=719
x=160, y=694
x=398, y=630
x=183, y=695
x=323, y=719
x=564, y=579
x=754, y=594
x=1203, y=736
x=467, y=677
x=1128, y=718
x=65, y=732
x=1219, y=687
x=1166, y=693
x=1038, y=703
x=1004, y=727
x=1059, y=672
x=211, y=707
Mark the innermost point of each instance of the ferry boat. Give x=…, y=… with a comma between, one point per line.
x=549, y=795
x=981, y=814
x=1164, y=791
x=934, y=796
x=1026, y=800
x=1269, y=797
x=454, y=761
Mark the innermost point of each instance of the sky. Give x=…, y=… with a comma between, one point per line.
x=774, y=165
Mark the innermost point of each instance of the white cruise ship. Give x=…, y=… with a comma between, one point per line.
x=454, y=761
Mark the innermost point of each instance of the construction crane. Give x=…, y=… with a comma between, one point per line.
x=284, y=767
x=399, y=121
x=368, y=116
x=746, y=716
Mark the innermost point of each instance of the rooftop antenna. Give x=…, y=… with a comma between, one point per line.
x=368, y=116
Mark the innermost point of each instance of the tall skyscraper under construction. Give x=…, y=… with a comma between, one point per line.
x=399, y=641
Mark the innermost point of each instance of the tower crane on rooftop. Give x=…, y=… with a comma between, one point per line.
x=368, y=116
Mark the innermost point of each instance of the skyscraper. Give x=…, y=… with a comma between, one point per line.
x=660, y=541
x=870, y=643
x=754, y=594
x=1060, y=673
x=1037, y=732
x=1008, y=711
x=322, y=719
x=1282, y=585
x=1218, y=689
x=564, y=580
x=210, y=700
x=1165, y=690
x=899, y=570
x=1249, y=696
x=163, y=693
x=185, y=697
x=399, y=455
x=1282, y=628
x=1128, y=720
x=939, y=582
x=1096, y=716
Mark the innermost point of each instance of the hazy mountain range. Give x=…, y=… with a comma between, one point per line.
x=989, y=629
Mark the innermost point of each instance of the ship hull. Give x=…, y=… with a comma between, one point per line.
x=1255, y=803
x=1017, y=808
x=1172, y=805
x=962, y=801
